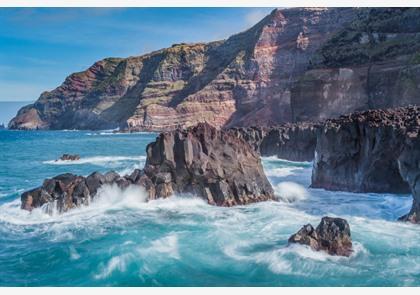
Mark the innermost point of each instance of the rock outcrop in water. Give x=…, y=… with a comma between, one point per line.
x=212, y=164
x=69, y=157
x=300, y=64
x=293, y=142
x=359, y=152
x=332, y=235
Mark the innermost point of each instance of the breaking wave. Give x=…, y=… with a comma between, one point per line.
x=290, y=191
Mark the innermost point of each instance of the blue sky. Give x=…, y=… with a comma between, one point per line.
x=39, y=47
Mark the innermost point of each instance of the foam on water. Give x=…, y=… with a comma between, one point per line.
x=97, y=160
x=120, y=239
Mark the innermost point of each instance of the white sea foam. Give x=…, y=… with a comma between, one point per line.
x=290, y=191
x=97, y=160
x=116, y=263
x=282, y=172
x=167, y=245
x=74, y=255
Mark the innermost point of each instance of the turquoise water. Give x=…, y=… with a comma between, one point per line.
x=122, y=241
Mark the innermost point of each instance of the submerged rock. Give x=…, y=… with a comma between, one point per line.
x=212, y=164
x=293, y=142
x=69, y=157
x=332, y=235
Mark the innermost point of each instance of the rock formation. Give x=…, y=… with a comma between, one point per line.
x=212, y=164
x=332, y=235
x=293, y=142
x=409, y=164
x=68, y=157
x=359, y=152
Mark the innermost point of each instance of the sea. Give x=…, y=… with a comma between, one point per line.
x=123, y=240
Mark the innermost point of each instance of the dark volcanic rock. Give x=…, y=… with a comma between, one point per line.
x=67, y=191
x=219, y=167
x=331, y=235
x=359, y=152
x=68, y=157
x=293, y=142
x=409, y=163
x=215, y=165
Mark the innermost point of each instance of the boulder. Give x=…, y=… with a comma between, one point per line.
x=332, y=235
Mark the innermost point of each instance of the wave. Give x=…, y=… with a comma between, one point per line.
x=106, y=133
x=282, y=172
x=276, y=159
x=290, y=191
x=97, y=160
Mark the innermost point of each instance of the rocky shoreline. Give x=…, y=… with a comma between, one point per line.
x=213, y=164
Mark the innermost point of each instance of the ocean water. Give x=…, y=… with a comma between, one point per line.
x=120, y=240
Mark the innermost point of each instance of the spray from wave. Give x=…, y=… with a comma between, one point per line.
x=290, y=192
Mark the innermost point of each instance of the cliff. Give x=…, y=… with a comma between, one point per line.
x=371, y=63
x=301, y=64
x=244, y=80
x=359, y=152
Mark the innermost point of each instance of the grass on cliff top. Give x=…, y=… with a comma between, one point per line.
x=379, y=26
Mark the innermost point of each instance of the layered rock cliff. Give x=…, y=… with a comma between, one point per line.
x=371, y=63
x=244, y=80
x=215, y=165
x=300, y=64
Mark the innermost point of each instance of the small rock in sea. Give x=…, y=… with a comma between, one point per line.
x=69, y=157
x=331, y=235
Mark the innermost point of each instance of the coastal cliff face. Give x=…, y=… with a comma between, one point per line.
x=244, y=80
x=215, y=165
x=360, y=152
x=409, y=164
x=293, y=142
x=371, y=63
x=300, y=64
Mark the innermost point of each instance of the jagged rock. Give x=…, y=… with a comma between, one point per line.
x=293, y=142
x=67, y=191
x=332, y=235
x=68, y=157
x=359, y=152
x=212, y=164
x=409, y=164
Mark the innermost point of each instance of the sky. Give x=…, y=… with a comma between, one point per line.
x=39, y=47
